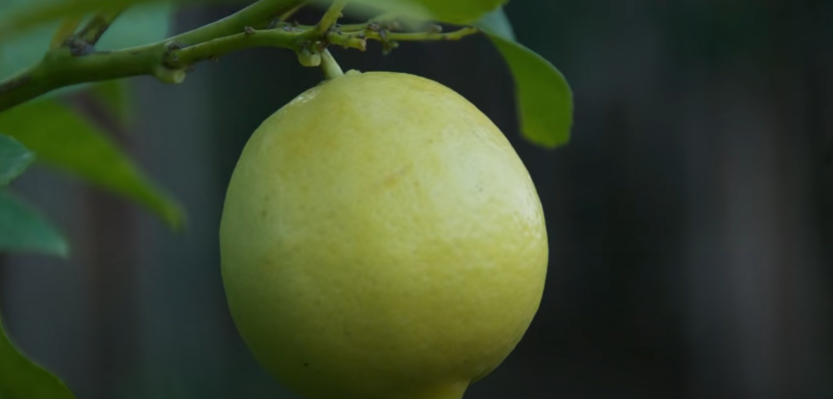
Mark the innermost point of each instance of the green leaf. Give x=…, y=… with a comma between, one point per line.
x=497, y=23
x=20, y=378
x=451, y=11
x=459, y=11
x=542, y=94
x=65, y=140
x=24, y=229
x=137, y=25
x=370, y=8
x=14, y=159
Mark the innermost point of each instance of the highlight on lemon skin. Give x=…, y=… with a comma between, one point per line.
x=381, y=239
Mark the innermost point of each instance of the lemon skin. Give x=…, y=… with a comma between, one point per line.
x=381, y=239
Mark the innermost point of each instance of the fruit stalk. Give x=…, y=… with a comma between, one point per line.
x=331, y=68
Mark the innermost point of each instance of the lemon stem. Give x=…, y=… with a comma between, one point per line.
x=331, y=68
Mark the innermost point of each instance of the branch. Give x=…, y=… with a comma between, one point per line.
x=60, y=67
x=254, y=15
x=251, y=38
x=170, y=59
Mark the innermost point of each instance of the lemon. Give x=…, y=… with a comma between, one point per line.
x=381, y=239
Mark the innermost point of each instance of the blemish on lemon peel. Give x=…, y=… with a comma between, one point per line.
x=396, y=176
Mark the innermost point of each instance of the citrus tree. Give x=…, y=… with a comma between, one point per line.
x=50, y=49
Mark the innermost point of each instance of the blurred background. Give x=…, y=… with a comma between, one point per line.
x=690, y=218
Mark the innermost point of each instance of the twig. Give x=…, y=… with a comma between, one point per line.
x=417, y=36
x=91, y=32
x=186, y=56
x=254, y=15
x=330, y=17
x=170, y=59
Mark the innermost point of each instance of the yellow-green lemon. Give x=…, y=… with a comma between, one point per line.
x=381, y=239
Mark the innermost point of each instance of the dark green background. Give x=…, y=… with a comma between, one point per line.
x=690, y=218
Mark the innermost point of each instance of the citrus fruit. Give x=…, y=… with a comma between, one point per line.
x=381, y=239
